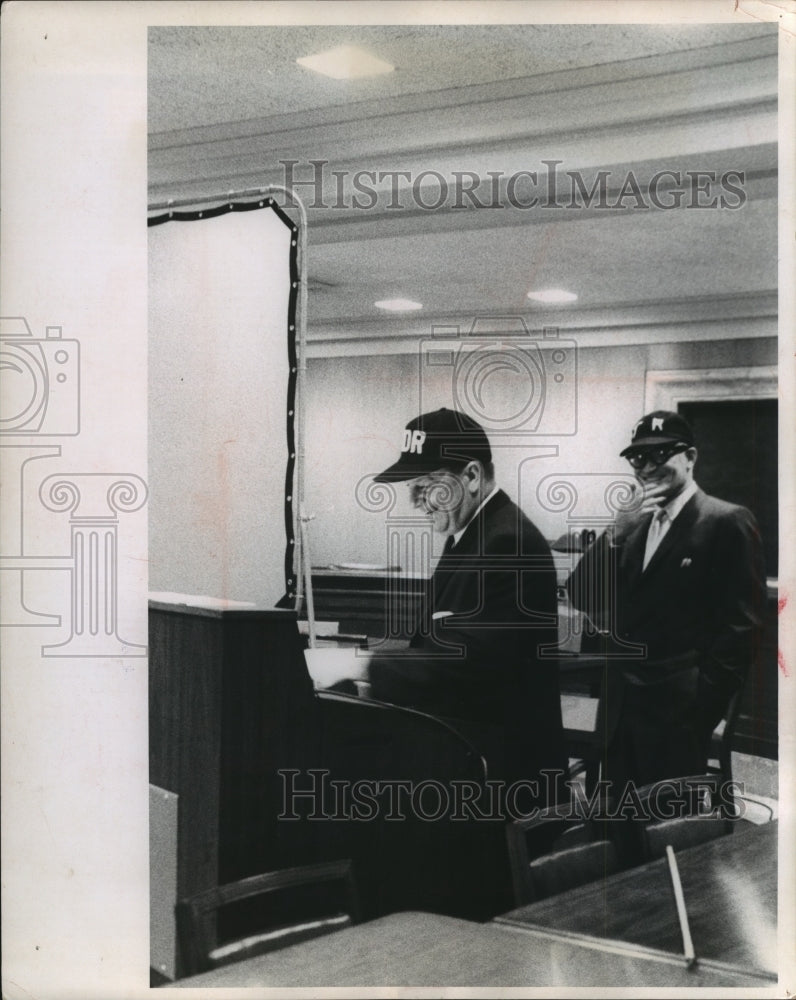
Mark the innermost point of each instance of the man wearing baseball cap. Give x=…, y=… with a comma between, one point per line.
x=477, y=656
x=679, y=584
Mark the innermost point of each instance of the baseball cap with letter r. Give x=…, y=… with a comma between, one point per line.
x=660, y=427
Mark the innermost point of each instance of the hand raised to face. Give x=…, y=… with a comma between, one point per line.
x=648, y=499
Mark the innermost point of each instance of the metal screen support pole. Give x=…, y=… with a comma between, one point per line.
x=307, y=568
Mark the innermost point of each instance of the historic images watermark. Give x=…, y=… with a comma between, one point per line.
x=550, y=187
x=314, y=795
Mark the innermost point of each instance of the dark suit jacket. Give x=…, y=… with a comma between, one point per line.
x=696, y=611
x=476, y=656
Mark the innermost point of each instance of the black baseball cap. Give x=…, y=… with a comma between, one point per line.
x=437, y=440
x=660, y=427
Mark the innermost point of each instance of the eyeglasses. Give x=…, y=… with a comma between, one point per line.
x=436, y=491
x=658, y=455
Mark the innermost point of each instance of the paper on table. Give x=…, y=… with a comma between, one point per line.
x=200, y=601
x=321, y=628
x=373, y=567
x=327, y=666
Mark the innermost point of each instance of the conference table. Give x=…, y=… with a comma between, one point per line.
x=730, y=891
x=414, y=949
x=622, y=931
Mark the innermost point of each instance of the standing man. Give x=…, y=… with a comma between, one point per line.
x=477, y=656
x=681, y=579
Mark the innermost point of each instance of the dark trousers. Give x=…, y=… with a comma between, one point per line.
x=658, y=735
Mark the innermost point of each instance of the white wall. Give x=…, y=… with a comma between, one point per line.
x=358, y=406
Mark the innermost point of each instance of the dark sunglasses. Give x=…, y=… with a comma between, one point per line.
x=662, y=453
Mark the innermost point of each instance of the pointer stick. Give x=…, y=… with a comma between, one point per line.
x=682, y=914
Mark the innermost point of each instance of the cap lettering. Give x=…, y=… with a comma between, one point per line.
x=413, y=441
x=657, y=423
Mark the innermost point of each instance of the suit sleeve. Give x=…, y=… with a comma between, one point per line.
x=515, y=618
x=732, y=638
x=589, y=583
x=513, y=613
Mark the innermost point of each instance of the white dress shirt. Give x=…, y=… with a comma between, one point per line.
x=458, y=534
x=663, y=519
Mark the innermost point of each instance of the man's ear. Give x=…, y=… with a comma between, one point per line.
x=691, y=455
x=473, y=475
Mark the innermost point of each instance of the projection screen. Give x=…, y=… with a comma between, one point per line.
x=223, y=288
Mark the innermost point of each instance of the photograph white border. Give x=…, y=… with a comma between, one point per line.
x=73, y=251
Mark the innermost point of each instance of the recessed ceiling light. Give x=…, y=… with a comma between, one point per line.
x=346, y=62
x=398, y=305
x=552, y=295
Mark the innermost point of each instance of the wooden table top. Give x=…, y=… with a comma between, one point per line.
x=730, y=889
x=424, y=949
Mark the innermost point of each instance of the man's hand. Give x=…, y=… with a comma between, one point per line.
x=652, y=498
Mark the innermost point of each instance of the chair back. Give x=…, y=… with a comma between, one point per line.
x=415, y=842
x=555, y=851
x=722, y=738
x=263, y=913
x=681, y=833
x=683, y=812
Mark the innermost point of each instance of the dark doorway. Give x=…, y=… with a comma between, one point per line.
x=737, y=445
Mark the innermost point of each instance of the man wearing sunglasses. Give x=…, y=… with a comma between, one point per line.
x=678, y=583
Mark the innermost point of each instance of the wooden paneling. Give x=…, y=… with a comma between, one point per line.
x=379, y=606
x=230, y=701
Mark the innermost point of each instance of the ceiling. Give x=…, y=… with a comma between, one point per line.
x=466, y=105
x=207, y=76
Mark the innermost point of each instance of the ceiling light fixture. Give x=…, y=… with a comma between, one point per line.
x=552, y=295
x=398, y=305
x=346, y=62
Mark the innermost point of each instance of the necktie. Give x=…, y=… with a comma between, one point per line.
x=656, y=532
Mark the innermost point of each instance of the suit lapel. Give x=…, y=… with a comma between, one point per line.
x=633, y=554
x=470, y=544
x=680, y=527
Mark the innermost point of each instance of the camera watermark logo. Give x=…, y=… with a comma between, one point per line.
x=40, y=401
x=517, y=385
x=39, y=381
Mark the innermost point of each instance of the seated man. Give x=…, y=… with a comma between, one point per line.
x=679, y=581
x=491, y=608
